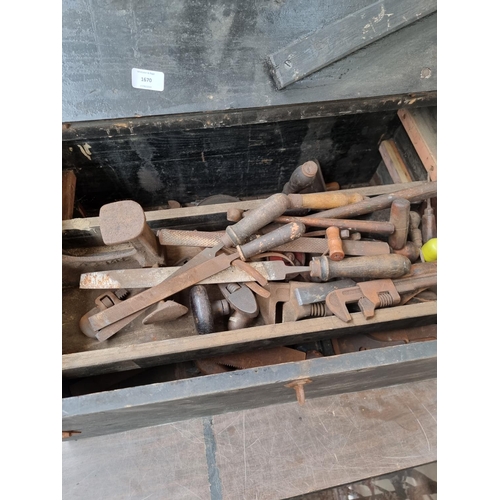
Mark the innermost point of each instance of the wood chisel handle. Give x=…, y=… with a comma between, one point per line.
x=284, y=234
x=322, y=201
x=368, y=267
x=272, y=207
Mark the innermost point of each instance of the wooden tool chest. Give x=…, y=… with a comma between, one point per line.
x=189, y=166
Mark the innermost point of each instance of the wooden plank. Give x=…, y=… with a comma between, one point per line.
x=421, y=126
x=288, y=450
x=381, y=176
x=155, y=462
x=409, y=154
x=340, y=38
x=190, y=347
x=271, y=452
x=215, y=55
x=152, y=216
x=394, y=162
x=170, y=401
x=68, y=194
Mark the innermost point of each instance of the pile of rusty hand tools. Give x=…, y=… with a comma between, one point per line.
x=313, y=253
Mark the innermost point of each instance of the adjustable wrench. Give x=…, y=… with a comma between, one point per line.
x=372, y=294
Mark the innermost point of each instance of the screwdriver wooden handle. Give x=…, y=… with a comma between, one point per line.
x=369, y=267
x=271, y=240
x=322, y=201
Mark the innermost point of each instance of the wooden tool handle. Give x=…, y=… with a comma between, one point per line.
x=413, y=194
x=280, y=236
x=369, y=267
x=400, y=217
x=323, y=201
x=271, y=208
x=335, y=250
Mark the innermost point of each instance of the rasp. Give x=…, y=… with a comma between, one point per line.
x=148, y=277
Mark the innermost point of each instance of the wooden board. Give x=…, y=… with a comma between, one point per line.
x=169, y=401
x=328, y=441
x=86, y=231
x=160, y=462
x=271, y=452
x=68, y=194
x=150, y=353
x=421, y=126
x=394, y=162
x=212, y=56
x=336, y=40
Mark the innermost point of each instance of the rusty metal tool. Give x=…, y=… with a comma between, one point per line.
x=301, y=178
x=272, y=207
x=410, y=250
x=146, y=278
x=164, y=311
x=400, y=217
x=276, y=205
x=429, y=228
x=182, y=237
x=280, y=236
x=304, y=244
x=238, y=300
x=415, y=232
x=363, y=342
x=264, y=357
x=291, y=310
x=369, y=267
x=103, y=302
x=364, y=226
x=320, y=246
x=414, y=194
x=374, y=294
x=311, y=293
x=125, y=221
x=207, y=263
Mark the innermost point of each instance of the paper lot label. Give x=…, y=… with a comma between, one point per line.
x=147, y=79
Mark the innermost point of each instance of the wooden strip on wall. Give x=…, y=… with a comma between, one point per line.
x=340, y=38
x=421, y=126
x=68, y=194
x=394, y=162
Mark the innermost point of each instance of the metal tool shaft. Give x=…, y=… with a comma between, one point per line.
x=149, y=277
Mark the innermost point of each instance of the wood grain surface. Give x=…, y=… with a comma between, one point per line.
x=213, y=55
x=268, y=453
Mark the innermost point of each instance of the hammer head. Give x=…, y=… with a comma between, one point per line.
x=121, y=222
